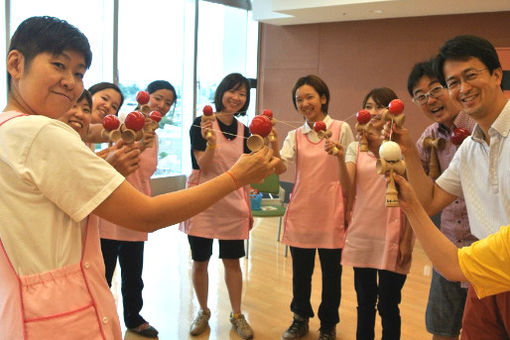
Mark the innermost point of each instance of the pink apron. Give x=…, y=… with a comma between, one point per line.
x=315, y=214
x=373, y=236
x=72, y=302
x=140, y=179
x=230, y=218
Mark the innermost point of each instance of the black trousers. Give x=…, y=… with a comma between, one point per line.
x=130, y=255
x=303, y=261
x=386, y=294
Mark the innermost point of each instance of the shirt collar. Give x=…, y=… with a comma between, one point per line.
x=500, y=126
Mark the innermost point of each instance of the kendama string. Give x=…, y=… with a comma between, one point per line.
x=219, y=131
x=284, y=122
x=391, y=128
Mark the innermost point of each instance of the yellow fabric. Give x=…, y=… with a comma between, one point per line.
x=486, y=263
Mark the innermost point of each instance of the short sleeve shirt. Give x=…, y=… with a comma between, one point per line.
x=480, y=173
x=50, y=182
x=486, y=263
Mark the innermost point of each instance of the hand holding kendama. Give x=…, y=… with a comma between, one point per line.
x=391, y=161
x=260, y=128
x=208, y=115
x=394, y=113
x=324, y=133
x=269, y=114
x=363, y=117
x=433, y=144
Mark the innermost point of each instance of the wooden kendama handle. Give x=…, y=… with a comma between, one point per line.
x=391, y=192
x=271, y=137
x=205, y=118
x=384, y=167
x=433, y=144
x=398, y=120
x=434, y=170
x=363, y=141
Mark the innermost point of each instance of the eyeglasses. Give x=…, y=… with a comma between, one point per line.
x=466, y=76
x=423, y=98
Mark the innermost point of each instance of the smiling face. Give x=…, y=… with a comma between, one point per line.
x=233, y=100
x=376, y=121
x=161, y=100
x=49, y=85
x=471, y=84
x=78, y=117
x=441, y=109
x=309, y=103
x=105, y=102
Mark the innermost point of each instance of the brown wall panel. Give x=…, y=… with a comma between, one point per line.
x=354, y=57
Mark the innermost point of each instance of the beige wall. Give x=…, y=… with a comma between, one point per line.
x=354, y=57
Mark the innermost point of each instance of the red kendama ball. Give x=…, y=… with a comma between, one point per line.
x=363, y=116
x=155, y=116
x=135, y=120
x=261, y=125
x=111, y=122
x=396, y=106
x=143, y=97
x=207, y=110
x=458, y=135
x=268, y=113
x=319, y=126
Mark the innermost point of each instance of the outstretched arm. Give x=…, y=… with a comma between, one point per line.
x=128, y=207
x=438, y=248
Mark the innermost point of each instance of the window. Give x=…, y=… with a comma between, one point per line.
x=156, y=49
x=227, y=43
x=159, y=43
x=94, y=19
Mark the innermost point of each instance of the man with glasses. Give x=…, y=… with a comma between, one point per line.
x=469, y=66
x=446, y=298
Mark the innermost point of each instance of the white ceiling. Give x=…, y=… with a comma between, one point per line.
x=293, y=12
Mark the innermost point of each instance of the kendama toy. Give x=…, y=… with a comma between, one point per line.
x=260, y=128
x=394, y=113
x=363, y=122
x=433, y=144
x=324, y=133
x=132, y=129
x=143, y=98
x=111, y=131
x=269, y=114
x=390, y=162
x=151, y=125
x=208, y=114
x=458, y=135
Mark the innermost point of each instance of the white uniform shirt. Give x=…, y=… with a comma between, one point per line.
x=288, y=151
x=481, y=174
x=49, y=183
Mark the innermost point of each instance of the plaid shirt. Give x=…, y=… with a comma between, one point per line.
x=454, y=218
